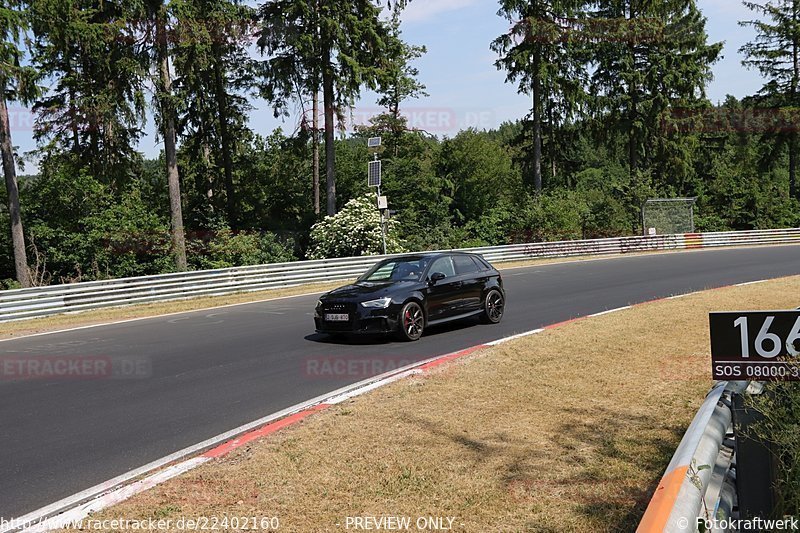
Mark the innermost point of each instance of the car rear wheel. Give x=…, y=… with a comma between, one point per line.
x=412, y=322
x=493, y=307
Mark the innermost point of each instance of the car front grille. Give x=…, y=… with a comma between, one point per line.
x=339, y=307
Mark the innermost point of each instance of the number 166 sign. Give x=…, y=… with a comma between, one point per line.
x=755, y=345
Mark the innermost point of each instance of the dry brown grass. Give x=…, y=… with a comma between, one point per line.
x=568, y=430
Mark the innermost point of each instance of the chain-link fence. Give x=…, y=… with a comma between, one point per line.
x=666, y=216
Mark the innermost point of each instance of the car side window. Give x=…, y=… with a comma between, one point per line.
x=383, y=273
x=465, y=264
x=443, y=265
x=407, y=271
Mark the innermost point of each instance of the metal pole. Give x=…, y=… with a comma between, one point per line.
x=377, y=204
x=642, y=217
x=383, y=227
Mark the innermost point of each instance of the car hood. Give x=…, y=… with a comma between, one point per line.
x=362, y=290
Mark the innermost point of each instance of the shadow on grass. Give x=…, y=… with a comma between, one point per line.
x=620, y=441
x=603, y=468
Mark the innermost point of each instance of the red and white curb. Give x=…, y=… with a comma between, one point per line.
x=79, y=506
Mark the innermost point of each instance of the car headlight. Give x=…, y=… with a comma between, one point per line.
x=318, y=308
x=380, y=303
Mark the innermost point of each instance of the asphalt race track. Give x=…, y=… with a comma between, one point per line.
x=181, y=379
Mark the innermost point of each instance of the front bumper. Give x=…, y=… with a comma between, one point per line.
x=361, y=320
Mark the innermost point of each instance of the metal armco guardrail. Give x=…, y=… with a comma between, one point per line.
x=20, y=304
x=696, y=485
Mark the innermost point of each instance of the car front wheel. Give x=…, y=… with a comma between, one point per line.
x=412, y=322
x=493, y=307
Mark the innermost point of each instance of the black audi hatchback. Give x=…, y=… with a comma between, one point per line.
x=406, y=294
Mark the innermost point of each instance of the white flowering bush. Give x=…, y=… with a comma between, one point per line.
x=353, y=231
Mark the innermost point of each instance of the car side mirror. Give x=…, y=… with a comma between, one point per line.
x=436, y=277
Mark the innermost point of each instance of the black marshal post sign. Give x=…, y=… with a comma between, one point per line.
x=755, y=345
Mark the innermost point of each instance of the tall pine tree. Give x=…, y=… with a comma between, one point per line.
x=156, y=50
x=397, y=82
x=540, y=55
x=653, y=59
x=17, y=83
x=775, y=53
x=332, y=45
x=96, y=106
x=213, y=72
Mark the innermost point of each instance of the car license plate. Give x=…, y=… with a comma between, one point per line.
x=337, y=317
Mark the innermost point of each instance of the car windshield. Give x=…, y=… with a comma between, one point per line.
x=400, y=269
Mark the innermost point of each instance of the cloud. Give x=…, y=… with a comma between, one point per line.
x=425, y=10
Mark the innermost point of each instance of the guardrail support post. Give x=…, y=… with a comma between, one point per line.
x=755, y=464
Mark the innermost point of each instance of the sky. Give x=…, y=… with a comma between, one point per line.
x=465, y=88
